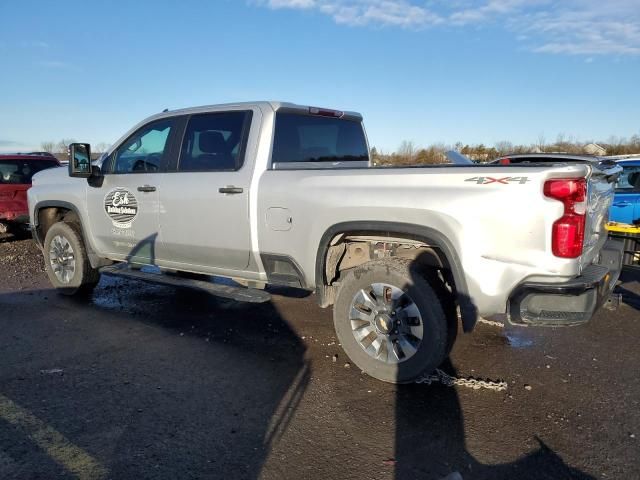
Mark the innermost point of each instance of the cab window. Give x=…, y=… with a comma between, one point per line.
x=215, y=142
x=145, y=150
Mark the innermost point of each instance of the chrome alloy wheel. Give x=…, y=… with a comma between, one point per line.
x=386, y=322
x=62, y=259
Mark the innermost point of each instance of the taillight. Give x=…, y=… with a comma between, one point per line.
x=567, y=237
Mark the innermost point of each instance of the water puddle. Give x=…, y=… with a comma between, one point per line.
x=518, y=341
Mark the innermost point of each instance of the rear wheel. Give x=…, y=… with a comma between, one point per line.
x=390, y=321
x=66, y=261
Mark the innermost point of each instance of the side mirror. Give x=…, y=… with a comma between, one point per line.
x=80, y=160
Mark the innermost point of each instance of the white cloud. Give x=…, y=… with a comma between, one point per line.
x=587, y=31
x=570, y=27
x=395, y=13
x=291, y=3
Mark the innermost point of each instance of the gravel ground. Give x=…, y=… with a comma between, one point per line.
x=142, y=381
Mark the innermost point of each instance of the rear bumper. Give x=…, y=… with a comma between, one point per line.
x=568, y=303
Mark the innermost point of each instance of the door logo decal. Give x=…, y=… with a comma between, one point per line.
x=121, y=206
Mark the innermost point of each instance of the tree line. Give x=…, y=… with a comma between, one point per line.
x=62, y=147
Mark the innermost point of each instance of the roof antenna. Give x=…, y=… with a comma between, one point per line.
x=165, y=110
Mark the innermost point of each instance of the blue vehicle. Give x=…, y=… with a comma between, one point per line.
x=626, y=203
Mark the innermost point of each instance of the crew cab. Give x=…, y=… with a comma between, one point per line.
x=16, y=171
x=283, y=194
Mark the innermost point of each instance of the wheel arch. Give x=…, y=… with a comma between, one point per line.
x=447, y=253
x=48, y=212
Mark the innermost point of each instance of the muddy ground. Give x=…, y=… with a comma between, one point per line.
x=141, y=381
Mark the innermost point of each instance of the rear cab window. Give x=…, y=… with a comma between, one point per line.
x=308, y=141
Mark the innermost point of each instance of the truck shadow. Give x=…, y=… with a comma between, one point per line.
x=154, y=382
x=431, y=442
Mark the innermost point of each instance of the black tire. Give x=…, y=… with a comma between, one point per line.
x=434, y=345
x=84, y=277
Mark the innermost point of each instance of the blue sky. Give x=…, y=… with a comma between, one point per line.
x=426, y=71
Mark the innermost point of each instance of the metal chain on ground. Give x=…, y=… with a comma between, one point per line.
x=490, y=322
x=450, y=381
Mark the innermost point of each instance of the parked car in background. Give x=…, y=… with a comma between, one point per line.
x=16, y=172
x=626, y=203
x=624, y=216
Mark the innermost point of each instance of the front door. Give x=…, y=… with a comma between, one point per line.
x=123, y=209
x=204, y=219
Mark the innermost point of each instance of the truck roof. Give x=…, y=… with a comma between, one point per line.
x=274, y=105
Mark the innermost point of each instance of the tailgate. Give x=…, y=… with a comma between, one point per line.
x=601, y=183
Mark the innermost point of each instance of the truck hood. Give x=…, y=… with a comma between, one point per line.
x=52, y=175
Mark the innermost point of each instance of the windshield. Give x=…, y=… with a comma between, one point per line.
x=21, y=171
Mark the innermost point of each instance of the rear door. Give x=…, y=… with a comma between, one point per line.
x=626, y=204
x=123, y=208
x=204, y=219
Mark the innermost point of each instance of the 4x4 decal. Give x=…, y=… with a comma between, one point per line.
x=503, y=180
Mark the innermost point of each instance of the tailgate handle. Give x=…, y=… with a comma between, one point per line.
x=147, y=188
x=230, y=189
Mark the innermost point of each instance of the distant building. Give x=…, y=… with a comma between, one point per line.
x=595, y=149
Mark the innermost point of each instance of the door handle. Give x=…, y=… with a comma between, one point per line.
x=621, y=204
x=147, y=188
x=230, y=189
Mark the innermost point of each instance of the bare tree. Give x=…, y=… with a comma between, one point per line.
x=102, y=147
x=63, y=145
x=48, y=147
x=541, y=143
x=503, y=147
x=407, y=150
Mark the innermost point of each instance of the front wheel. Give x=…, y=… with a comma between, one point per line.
x=390, y=321
x=66, y=261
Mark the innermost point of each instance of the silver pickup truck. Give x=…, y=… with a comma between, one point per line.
x=282, y=194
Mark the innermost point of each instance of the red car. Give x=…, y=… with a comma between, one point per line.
x=16, y=171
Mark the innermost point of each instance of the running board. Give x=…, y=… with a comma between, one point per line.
x=241, y=294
